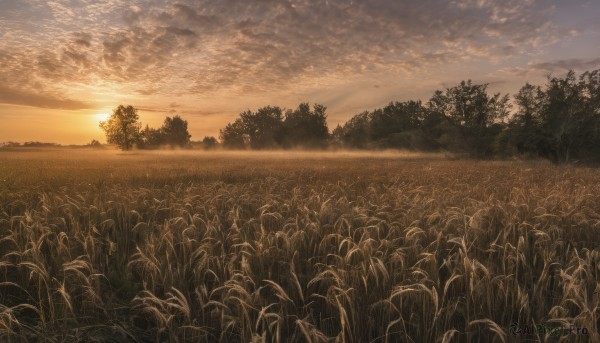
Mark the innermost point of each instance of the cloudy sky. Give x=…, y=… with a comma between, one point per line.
x=65, y=64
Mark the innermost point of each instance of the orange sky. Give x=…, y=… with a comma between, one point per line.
x=64, y=67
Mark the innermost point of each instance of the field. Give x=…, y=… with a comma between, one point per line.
x=102, y=246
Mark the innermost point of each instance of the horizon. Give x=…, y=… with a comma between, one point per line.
x=66, y=67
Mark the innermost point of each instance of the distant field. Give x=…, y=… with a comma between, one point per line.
x=293, y=247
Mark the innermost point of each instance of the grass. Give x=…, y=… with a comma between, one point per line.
x=294, y=247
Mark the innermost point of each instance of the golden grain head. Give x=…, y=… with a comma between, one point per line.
x=229, y=247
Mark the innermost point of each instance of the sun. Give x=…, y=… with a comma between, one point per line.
x=103, y=116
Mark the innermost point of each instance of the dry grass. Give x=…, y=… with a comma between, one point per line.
x=280, y=247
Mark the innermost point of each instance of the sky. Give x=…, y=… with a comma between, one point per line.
x=65, y=65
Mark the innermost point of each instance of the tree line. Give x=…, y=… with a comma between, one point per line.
x=270, y=128
x=559, y=121
x=124, y=129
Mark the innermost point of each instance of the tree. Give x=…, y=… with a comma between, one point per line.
x=232, y=135
x=94, y=144
x=529, y=100
x=305, y=128
x=523, y=134
x=152, y=137
x=355, y=133
x=477, y=115
x=263, y=127
x=123, y=127
x=259, y=130
x=209, y=142
x=570, y=117
x=469, y=105
x=175, y=132
x=398, y=125
x=439, y=133
x=560, y=122
x=404, y=125
x=267, y=128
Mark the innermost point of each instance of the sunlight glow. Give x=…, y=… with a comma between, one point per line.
x=101, y=116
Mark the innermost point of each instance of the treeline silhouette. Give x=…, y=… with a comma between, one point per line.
x=269, y=128
x=31, y=144
x=35, y=144
x=559, y=121
x=124, y=129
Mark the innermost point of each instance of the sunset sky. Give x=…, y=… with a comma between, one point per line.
x=64, y=65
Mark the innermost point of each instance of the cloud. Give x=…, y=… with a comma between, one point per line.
x=565, y=65
x=27, y=98
x=266, y=45
x=83, y=39
x=251, y=47
x=555, y=67
x=174, y=109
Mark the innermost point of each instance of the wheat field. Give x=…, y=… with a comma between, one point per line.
x=100, y=246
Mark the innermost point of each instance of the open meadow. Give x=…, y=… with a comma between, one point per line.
x=188, y=246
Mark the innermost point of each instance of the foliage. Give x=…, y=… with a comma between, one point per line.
x=263, y=127
x=304, y=128
x=123, y=127
x=571, y=117
x=477, y=115
x=267, y=128
x=175, y=132
x=393, y=125
x=152, y=137
x=94, y=144
x=234, y=135
x=469, y=105
x=209, y=142
x=10, y=144
x=355, y=133
x=399, y=125
x=560, y=122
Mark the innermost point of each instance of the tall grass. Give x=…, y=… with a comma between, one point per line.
x=263, y=248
